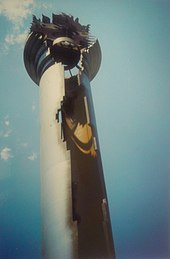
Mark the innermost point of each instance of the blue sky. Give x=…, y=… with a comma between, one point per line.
x=131, y=95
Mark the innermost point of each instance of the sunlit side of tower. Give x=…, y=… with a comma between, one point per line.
x=62, y=58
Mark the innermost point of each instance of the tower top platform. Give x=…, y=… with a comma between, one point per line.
x=62, y=40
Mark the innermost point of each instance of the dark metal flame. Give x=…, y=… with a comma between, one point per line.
x=63, y=25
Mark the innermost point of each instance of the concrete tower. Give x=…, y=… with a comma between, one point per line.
x=62, y=58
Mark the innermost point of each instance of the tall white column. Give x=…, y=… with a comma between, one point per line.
x=58, y=230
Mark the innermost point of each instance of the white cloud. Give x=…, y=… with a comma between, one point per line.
x=16, y=10
x=7, y=133
x=33, y=156
x=33, y=107
x=7, y=122
x=16, y=38
x=5, y=153
x=24, y=144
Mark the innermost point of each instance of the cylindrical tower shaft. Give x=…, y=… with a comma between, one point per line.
x=58, y=229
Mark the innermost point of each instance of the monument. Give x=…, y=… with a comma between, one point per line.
x=62, y=58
